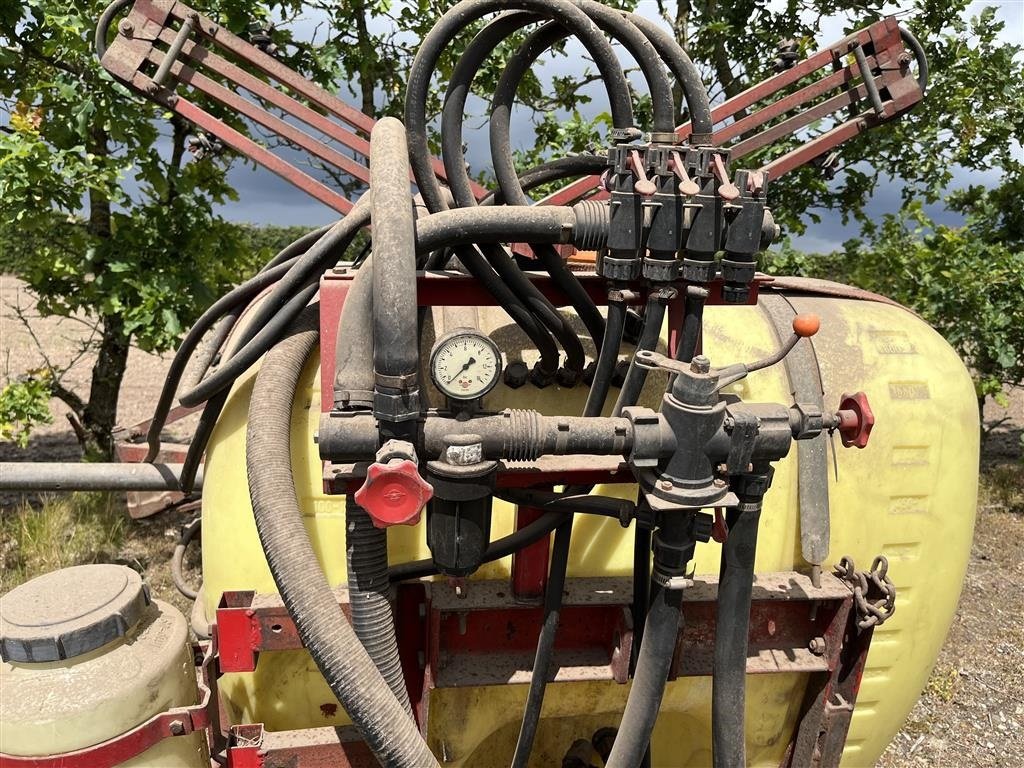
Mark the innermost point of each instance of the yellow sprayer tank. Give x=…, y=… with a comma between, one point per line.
x=911, y=495
x=88, y=657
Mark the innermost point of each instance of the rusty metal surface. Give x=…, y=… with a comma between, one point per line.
x=252, y=746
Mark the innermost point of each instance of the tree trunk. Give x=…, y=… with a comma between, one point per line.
x=100, y=413
x=367, y=57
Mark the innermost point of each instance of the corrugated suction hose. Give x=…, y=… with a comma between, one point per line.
x=368, y=590
x=326, y=634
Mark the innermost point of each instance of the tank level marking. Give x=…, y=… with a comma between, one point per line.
x=903, y=551
x=910, y=505
x=909, y=390
x=892, y=343
x=911, y=455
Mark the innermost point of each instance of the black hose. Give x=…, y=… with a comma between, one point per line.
x=380, y=719
x=693, y=321
x=636, y=376
x=366, y=553
x=496, y=550
x=560, y=549
x=229, y=302
x=545, y=644
x=353, y=352
x=396, y=355
x=732, y=627
x=465, y=226
x=561, y=168
x=695, y=93
x=458, y=18
x=458, y=181
x=103, y=25
x=277, y=311
x=504, y=166
x=660, y=633
x=188, y=532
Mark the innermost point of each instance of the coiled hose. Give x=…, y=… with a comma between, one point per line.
x=349, y=671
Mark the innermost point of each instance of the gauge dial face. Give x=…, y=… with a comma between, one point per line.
x=465, y=364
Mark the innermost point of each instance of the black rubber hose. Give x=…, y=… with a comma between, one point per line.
x=103, y=25
x=922, y=59
x=188, y=533
x=458, y=181
x=545, y=644
x=695, y=93
x=277, y=311
x=497, y=549
x=561, y=168
x=693, y=321
x=655, y=659
x=230, y=302
x=353, y=352
x=396, y=355
x=214, y=406
x=380, y=719
x=560, y=549
x=732, y=627
x=366, y=553
x=458, y=18
x=455, y=166
x=482, y=271
x=636, y=376
x=495, y=224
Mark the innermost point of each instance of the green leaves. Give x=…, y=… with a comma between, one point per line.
x=24, y=404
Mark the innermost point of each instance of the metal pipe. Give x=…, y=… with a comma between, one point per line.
x=175, y=50
x=80, y=476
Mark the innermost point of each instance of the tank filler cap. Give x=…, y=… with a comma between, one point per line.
x=70, y=612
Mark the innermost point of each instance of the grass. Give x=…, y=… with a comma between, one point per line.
x=66, y=530
x=1002, y=488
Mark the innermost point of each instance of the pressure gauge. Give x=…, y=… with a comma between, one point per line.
x=465, y=364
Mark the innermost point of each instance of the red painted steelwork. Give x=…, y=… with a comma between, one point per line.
x=530, y=564
x=252, y=746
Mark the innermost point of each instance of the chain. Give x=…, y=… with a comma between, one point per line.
x=873, y=592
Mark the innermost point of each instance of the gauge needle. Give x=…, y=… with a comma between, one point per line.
x=464, y=368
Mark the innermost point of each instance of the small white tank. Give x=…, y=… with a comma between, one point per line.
x=87, y=656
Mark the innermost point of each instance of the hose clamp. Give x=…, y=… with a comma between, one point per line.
x=669, y=581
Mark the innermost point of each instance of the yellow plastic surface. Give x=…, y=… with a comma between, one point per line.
x=910, y=495
x=68, y=705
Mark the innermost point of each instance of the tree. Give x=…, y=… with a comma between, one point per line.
x=141, y=263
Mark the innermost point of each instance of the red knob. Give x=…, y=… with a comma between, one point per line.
x=394, y=493
x=855, y=420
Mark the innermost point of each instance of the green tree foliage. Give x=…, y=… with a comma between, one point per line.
x=101, y=212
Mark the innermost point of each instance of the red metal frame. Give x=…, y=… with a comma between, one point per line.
x=481, y=635
x=131, y=57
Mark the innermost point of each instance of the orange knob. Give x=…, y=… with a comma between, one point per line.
x=807, y=325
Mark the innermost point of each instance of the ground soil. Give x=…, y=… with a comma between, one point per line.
x=970, y=715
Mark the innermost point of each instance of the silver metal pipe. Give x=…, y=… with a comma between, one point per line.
x=81, y=476
x=174, y=51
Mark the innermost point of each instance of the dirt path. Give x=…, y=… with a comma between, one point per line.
x=970, y=714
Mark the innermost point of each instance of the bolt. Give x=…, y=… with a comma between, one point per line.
x=152, y=88
x=719, y=483
x=177, y=728
x=817, y=646
x=666, y=485
x=126, y=28
x=700, y=364
x=516, y=374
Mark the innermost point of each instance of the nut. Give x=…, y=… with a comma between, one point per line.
x=700, y=364
x=817, y=646
x=126, y=28
x=177, y=728
x=516, y=374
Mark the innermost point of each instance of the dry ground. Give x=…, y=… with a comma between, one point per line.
x=970, y=715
